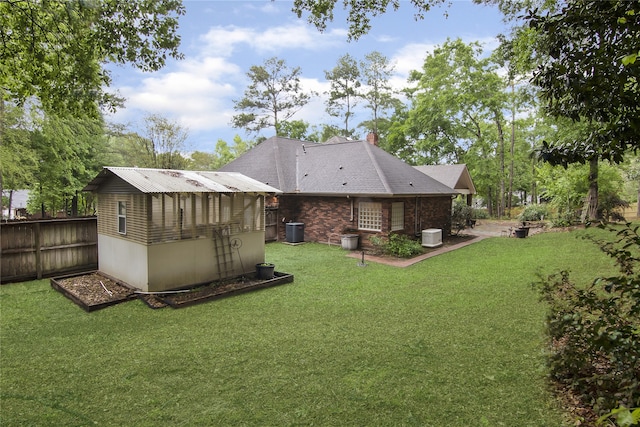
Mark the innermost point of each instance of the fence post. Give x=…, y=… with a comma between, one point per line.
x=38, y=244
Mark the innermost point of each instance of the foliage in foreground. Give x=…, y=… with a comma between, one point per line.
x=594, y=332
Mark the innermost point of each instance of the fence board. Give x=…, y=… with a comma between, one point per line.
x=36, y=249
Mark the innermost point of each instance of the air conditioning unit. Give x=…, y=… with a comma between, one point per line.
x=432, y=238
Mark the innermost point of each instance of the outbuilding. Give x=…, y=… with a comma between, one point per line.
x=162, y=229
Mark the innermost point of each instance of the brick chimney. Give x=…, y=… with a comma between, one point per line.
x=372, y=138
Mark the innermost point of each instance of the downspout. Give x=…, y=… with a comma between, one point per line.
x=416, y=221
x=351, y=210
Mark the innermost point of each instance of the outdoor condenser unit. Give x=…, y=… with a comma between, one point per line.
x=431, y=237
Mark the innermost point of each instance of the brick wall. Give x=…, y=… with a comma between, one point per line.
x=326, y=218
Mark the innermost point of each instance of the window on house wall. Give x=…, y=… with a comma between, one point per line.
x=122, y=217
x=397, y=216
x=370, y=216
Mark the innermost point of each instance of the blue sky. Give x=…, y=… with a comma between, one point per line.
x=222, y=39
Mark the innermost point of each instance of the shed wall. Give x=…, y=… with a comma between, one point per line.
x=191, y=262
x=181, y=263
x=123, y=259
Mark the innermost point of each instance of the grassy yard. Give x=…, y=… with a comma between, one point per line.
x=456, y=340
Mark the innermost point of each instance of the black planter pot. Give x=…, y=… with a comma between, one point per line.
x=265, y=271
x=521, y=233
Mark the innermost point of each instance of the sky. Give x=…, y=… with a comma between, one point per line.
x=221, y=40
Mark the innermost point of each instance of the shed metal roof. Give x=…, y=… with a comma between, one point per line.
x=180, y=181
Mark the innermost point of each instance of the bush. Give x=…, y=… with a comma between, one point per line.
x=534, y=213
x=480, y=213
x=460, y=216
x=593, y=332
x=397, y=245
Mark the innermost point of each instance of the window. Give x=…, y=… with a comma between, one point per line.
x=397, y=216
x=370, y=216
x=122, y=217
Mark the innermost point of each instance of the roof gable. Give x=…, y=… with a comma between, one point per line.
x=454, y=176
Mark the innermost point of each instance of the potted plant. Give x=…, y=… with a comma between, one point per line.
x=265, y=270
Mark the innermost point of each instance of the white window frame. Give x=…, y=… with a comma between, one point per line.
x=397, y=216
x=122, y=217
x=370, y=216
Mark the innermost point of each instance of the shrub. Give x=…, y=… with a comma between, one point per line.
x=480, y=213
x=534, y=213
x=460, y=216
x=397, y=245
x=593, y=332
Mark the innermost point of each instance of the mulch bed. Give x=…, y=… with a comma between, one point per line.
x=93, y=291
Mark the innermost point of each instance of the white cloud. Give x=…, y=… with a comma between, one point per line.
x=197, y=94
x=223, y=40
x=411, y=57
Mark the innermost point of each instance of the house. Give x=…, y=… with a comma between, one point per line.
x=167, y=229
x=454, y=176
x=18, y=208
x=344, y=186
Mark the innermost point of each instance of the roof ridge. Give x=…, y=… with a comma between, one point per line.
x=276, y=155
x=379, y=171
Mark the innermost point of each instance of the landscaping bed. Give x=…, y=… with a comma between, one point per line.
x=93, y=291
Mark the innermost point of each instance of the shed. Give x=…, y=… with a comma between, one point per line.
x=161, y=229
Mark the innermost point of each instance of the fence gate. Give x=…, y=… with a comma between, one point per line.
x=271, y=224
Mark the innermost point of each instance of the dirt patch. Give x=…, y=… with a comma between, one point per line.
x=222, y=289
x=93, y=291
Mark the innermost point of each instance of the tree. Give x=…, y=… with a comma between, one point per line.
x=69, y=150
x=273, y=96
x=296, y=129
x=159, y=145
x=588, y=76
x=55, y=50
x=164, y=141
x=456, y=113
x=377, y=71
x=359, y=13
x=344, y=79
x=16, y=156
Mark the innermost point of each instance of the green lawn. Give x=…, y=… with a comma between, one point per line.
x=456, y=340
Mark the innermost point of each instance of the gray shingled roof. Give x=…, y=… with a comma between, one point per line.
x=180, y=181
x=343, y=168
x=454, y=176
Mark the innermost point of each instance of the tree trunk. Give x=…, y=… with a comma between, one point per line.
x=2, y=139
x=534, y=188
x=591, y=205
x=638, y=207
x=500, y=198
x=10, y=203
x=513, y=143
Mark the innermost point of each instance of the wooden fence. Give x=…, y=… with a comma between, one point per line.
x=36, y=249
